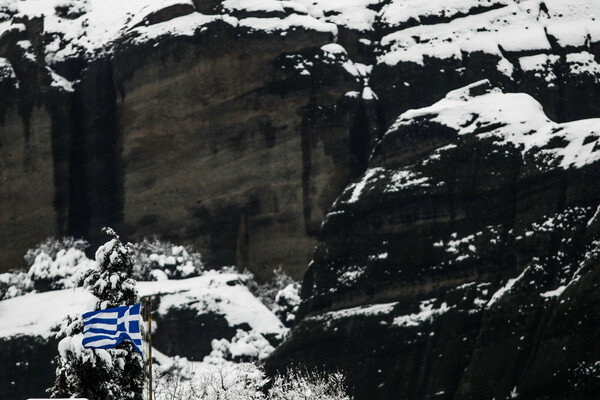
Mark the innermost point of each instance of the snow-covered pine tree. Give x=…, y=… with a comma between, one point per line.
x=99, y=374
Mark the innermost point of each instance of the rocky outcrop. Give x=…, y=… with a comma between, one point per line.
x=461, y=265
x=232, y=125
x=428, y=50
x=240, y=156
x=205, y=129
x=191, y=314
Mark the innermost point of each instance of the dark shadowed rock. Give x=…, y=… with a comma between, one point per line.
x=449, y=270
x=224, y=127
x=236, y=119
x=27, y=367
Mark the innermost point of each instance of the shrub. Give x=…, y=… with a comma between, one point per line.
x=53, y=265
x=244, y=346
x=13, y=284
x=156, y=260
x=247, y=381
x=71, y=9
x=281, y=295
x=8, y=8
x=221, y=381
x=56, y=263
x=303, y=384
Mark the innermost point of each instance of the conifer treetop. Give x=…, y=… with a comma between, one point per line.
x=111, y=281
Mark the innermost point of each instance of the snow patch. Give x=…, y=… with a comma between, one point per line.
x=427, y=313
x=506, y=288
x=359, y=186
x=366, y=310
x=554, y=293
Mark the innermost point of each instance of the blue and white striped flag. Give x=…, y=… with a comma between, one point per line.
x=105, y=329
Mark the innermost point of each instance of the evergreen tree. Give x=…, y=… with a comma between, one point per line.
x=98, y=374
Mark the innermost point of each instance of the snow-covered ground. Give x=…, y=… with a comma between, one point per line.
x=220, y=293
x=41, y=314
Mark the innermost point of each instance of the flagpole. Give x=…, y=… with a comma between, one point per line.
x=150, y=348
x=148, y=302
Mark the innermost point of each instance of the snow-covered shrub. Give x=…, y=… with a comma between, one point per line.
x=13, y=284
x=55, y=264
x=286, y=304
x=156, y=260
x=52, y=265
x=52, y=246
x=302, y=384
x=111, y=280
x=224, y=380
x=219, y=381
x=244, y=346
x=8, y=8
x=71, y=9
x=93, y=374
x=116, y=373
x=281, y=295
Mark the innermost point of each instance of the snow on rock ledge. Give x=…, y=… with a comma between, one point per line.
x=513, y=118
x=91, y=27
x=220, y=293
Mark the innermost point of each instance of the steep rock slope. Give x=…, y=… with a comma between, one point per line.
x=224, y=128
x=463, y=264
x=233, y=125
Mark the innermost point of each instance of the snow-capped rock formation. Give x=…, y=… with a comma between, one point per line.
x=234, y=125
x=458, y=259
x=463, y=263
x=215, y=126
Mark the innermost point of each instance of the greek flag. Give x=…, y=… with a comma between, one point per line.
x=105, y=329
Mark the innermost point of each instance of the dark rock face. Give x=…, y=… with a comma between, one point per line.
x=34, y=118
x=241, y=158
x=173, y=333
x=438, y=276
x=232, y=139
x=27, y=367
x=236, y=136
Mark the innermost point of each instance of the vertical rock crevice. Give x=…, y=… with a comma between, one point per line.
x=95, y=167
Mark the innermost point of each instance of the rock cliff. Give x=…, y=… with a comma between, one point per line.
x=231, y=134
x=234, y=125
x=456, y=230
x=438, y=276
